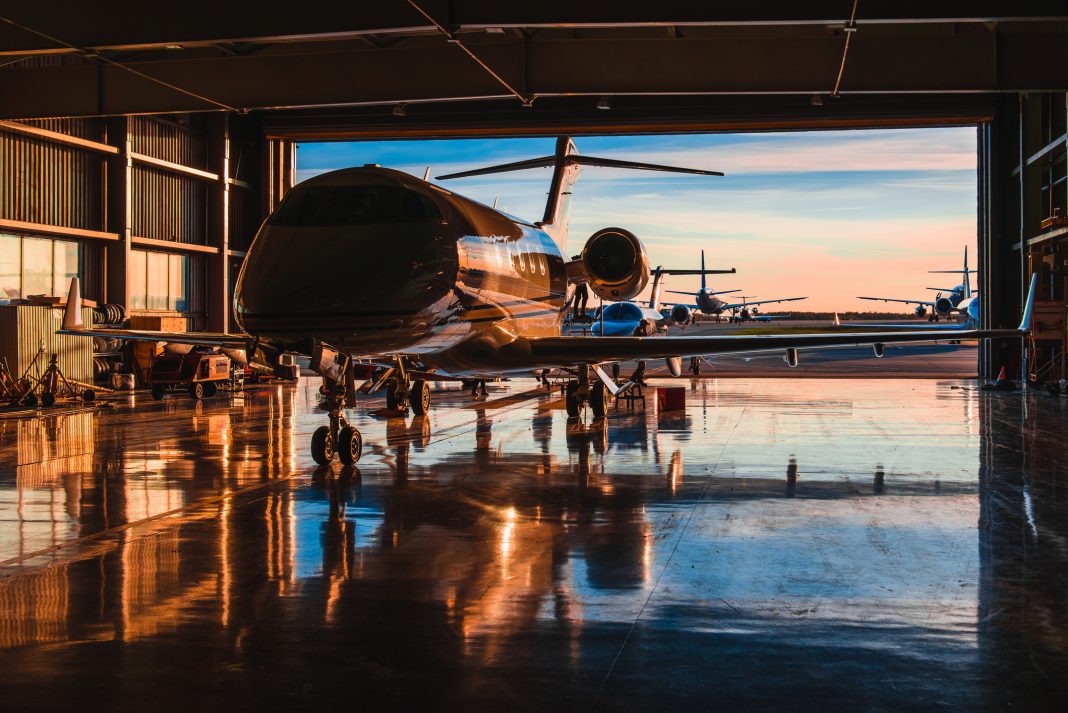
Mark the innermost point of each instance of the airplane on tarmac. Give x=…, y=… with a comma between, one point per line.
x=707, y=301
x=375, y=264
x=947, y=300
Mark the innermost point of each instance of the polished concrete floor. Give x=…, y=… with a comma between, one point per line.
x=781, y=545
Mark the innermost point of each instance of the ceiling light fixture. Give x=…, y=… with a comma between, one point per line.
x=816, y=100
x=603, y=104
x=400, y=110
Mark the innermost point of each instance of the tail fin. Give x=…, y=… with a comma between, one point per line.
x=967, y=275
x=658, y=285
x=704, y=283
x=566, y=163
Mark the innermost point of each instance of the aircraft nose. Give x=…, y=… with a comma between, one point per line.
x=295, y=279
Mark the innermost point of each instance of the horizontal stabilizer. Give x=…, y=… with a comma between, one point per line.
x=950, y=272
x=731, y=271
x=577, y=160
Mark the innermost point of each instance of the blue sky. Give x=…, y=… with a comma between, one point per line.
x=831, y=214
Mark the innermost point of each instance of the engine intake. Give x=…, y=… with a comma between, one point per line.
x=614, y=264
x=681, y=315
x=943, y=305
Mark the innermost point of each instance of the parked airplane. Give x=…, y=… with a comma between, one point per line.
x=376, y=264
x=707, y=301
x=947, y=300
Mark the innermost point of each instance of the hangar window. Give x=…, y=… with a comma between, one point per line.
x=159, y=281
x=36, y=266
x=323, y=206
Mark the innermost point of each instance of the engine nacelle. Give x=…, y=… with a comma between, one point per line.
x=921, y=310
x=790, y=357
x=681, y=315
x=943, y=305
x=613, y=263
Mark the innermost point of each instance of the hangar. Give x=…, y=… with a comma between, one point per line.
x=141, y=154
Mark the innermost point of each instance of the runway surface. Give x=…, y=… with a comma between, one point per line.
x=820, y=544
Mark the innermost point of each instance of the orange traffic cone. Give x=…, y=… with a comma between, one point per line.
x=1002, y=383
x=1001, y=375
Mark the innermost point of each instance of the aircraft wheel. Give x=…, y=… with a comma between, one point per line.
x=695, y=366
x=349, y=445
x=158, y=390
x=196, y=390
x=322, y=445
x=30, y=400
x=210, y=389
x=420, y=397
x=599, y=399
x=88, y=396
x=571, y=401
x=48, y=398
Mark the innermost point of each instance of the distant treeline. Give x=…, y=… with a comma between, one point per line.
x=843, y=315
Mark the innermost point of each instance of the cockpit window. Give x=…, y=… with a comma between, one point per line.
x=323, y=206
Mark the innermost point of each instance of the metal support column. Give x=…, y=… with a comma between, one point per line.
x=218, y=272
x=119, y=173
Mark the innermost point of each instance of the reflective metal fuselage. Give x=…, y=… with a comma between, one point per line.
x=373, y=261
x=708, y=303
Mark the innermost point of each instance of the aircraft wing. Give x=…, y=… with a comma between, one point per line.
x=738, y=305
x=891, y=299
x=565, y=351
x=555, y=351
x=72, y=324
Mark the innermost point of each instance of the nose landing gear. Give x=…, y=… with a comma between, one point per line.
x=338, y=437
x=580, y=392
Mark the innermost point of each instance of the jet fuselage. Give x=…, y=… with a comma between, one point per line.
x=374, y=261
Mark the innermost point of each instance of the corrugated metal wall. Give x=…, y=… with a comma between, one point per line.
x=45, y=182
x=26, y=328
x=178, y=139
x=168, y=206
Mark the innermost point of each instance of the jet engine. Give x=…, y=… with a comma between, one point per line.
x=943, y=305
x=681, y=315
x=613, y=263
x=921, y=310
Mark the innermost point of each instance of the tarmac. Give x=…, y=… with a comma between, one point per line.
x=809, y=544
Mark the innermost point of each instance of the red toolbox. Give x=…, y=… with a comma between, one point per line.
x=671, y=398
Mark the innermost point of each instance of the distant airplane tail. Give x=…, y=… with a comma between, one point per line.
x=658, y=284
x=967, y=282
x=566, y=164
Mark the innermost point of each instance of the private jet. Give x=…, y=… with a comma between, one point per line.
x=375, y=266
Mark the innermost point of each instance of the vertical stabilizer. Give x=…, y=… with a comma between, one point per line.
x=658, y=285
x=703, y=282
x=558, y=206
x=967, y=275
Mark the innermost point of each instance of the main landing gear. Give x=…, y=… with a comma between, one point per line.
x=580, y=392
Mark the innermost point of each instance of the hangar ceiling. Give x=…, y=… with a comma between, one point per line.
x=424, y=67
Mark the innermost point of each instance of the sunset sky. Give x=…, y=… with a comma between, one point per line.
x=830, y=215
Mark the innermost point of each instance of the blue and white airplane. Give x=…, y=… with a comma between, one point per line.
x=628, y=319
x=707, y=301
x=947, y=300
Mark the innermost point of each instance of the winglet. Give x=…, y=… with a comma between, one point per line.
x=1029, y=307
x=72, y=313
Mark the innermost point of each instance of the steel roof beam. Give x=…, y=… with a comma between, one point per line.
x=963, y=63
x=121, y=24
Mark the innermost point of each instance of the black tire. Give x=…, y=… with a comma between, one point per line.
x=571, y=402
x=420, y=397
x=196, y=390
x=599, y=399
x=695, y=366
x=48, y=399
x=158, y=390
x=391, y=394
x=30, y=400
x=88, y=396
x=349, y=445
x=322, y=445
x=210, y=389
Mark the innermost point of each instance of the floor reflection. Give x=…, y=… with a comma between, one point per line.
x=851, y=533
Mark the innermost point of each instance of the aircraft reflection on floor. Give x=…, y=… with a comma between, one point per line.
x=471, y=569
